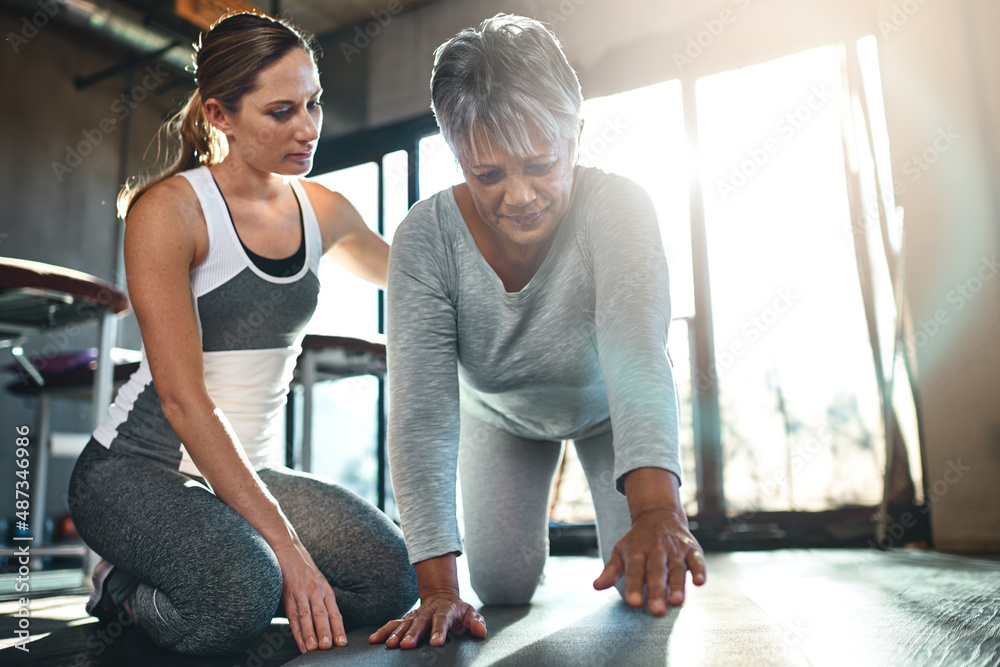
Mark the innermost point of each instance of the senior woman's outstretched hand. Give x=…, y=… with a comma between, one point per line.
x=660, y=550
x=441, y=609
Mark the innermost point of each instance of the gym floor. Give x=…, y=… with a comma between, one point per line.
x=789, y=607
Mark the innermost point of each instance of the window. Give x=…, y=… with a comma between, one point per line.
x=789, y=170
x=798, y=400
x=345, y=412
x=639, y=134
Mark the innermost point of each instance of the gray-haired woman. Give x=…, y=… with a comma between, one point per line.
x=527, y=306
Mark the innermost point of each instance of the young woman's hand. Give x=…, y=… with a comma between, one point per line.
x=436, y=615
x=309, y=601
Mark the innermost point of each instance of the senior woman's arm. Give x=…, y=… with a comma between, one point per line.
x=423, y=372
x=632, y=316
x=424, y=427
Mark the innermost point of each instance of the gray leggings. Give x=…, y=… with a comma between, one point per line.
x=505, y=497
x=207, y=582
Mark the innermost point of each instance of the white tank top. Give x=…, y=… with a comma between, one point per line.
x=251, y=326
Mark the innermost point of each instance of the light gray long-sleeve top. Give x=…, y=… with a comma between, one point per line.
x=580, y=348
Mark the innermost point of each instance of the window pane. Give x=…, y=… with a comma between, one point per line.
x=395, y=167
x=640, y=135
x=885, y=298
x=438, y=168
x=679, y=347
x=345, y=433
x=345, y=411
x=394, y=184
x=801, y=422
x=348, y=306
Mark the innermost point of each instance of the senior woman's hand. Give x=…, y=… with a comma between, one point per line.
x=435, y=616
x=441, y=610
x=659, y=550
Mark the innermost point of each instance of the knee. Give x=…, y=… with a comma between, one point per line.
x=254, y=595
x=507, y=573
x=407, y=591
x=505, y=587
x=258, y=584
x=235, y=609
x=393, y=587
x=398, y=599
x=79, y=494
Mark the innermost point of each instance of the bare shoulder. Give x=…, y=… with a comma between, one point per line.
x=172, y=199
x=170, y=213
x=334, y=212
x=326, y=202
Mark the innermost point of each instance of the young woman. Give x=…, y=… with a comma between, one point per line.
x=205, y=535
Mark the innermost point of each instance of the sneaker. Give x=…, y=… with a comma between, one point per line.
x=100, y=604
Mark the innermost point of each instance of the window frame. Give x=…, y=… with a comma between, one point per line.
x=711, y=525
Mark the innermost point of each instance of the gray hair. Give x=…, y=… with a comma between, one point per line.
x=509, y=77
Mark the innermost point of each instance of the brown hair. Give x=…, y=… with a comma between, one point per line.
x=230, y=56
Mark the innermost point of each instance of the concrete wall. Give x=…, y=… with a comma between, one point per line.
x=63, y=217
x=941, y=74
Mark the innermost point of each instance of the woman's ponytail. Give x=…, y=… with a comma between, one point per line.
x=201, y=142
x=188, y=141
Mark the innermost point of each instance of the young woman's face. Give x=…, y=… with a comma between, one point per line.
x=523, y=198
x=277, y=126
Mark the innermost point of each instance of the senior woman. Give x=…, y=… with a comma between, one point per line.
x=527, y=306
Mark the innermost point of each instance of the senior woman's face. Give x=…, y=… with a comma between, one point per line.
x=521, y=197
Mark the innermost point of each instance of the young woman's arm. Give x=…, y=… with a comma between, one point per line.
x=165, y=236
x=347, y=238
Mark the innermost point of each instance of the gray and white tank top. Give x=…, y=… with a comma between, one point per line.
x=251, y=326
